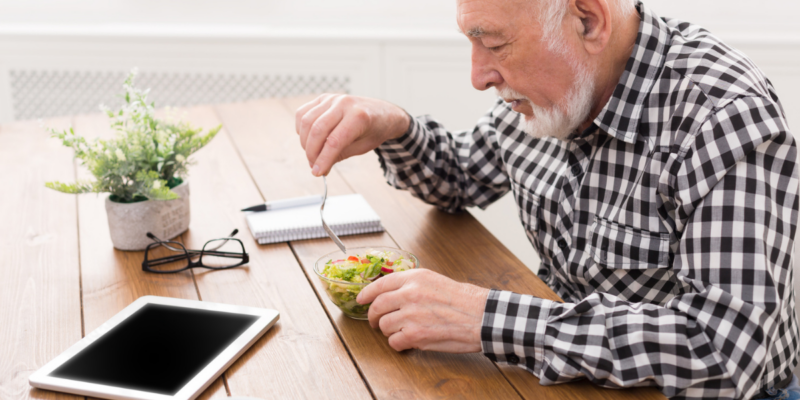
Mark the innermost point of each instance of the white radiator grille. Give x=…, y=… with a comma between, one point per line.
x=45, y=94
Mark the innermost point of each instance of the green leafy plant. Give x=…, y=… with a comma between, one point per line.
x=144, y=161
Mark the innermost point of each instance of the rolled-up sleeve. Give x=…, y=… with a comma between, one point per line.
x=450, y=170
x=733, y=195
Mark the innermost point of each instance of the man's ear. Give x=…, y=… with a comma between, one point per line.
x=592, y=22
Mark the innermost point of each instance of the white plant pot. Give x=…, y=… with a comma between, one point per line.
x=128, y=223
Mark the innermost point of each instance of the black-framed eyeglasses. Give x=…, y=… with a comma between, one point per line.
x=222, y=253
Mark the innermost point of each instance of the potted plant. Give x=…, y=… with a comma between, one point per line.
x=143, y=169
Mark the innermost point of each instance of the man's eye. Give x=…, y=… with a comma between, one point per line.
x=496, y=48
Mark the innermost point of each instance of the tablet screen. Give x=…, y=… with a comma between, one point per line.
x=158, y=349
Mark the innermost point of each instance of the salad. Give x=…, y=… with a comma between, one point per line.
x=345, y=277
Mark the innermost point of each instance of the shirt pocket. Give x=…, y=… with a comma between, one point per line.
x=616, y=246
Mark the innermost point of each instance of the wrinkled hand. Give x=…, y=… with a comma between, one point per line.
x=334, y=127
x=420, y=309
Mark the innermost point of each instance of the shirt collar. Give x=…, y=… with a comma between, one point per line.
x=620, y=117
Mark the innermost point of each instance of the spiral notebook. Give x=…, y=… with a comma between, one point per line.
x=346, y=215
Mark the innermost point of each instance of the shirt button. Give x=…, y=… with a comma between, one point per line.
x=512, y=359
x=543, y=273
x=562, y=244
x=576, y=169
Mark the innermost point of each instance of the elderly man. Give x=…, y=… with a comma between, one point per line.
x=654, y=173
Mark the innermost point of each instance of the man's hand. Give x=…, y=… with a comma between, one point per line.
x=420, y=309
x=333, y=127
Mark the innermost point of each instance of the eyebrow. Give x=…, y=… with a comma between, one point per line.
x=478, y=32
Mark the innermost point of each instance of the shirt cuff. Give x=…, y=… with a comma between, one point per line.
x=513, y=329
x=397, y=156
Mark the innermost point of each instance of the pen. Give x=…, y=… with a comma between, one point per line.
x=286, y=203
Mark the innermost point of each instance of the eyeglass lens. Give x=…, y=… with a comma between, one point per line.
x=167, y=257
x=221, y=253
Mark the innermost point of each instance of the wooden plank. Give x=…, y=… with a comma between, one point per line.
x=420, y=374
x=112, y=279
x=264, y=131
x=40, y=300
x=460, y=247
x=266, y=141
x=301, y=356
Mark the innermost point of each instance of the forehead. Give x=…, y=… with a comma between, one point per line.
x=481, y=18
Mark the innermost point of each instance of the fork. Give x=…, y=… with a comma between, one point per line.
x=325, y=225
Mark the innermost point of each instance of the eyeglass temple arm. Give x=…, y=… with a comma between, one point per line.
x=156, y=239
x=222, y=243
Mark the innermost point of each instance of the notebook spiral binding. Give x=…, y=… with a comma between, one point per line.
x=346, y=214
x=314, y=232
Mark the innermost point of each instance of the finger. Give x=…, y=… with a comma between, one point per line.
x=322, y=130
x=339, y=141
x=450, y=346
x=392, y=322
x=399, y=341
x=402, y=341
x=311, y=116
x=386, y=284
x=302, y=110
x=412, y=337
x=388, y=302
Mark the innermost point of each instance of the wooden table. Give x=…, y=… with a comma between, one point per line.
x=62, y=278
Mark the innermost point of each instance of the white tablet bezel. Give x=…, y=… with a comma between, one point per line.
x=200, y=382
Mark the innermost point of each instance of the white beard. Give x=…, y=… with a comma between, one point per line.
x=559, y=121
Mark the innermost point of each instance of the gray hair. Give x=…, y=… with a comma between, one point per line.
x=552, y=12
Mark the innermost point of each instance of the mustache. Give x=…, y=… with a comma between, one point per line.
x=509, y=93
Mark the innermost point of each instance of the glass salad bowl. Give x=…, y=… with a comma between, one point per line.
x=345, y=275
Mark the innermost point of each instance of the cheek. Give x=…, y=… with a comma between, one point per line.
x=523, y=68
x=539, y=74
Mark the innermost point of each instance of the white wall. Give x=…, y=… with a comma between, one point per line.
x=405, y=51
x=744, y=17
x=426, y=51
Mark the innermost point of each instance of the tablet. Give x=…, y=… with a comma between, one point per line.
x=157, y=348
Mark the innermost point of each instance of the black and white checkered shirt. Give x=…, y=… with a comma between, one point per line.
x=667, y=227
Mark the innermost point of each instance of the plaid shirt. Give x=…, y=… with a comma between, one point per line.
x=667, y=227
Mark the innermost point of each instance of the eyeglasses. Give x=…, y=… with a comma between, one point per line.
x=222, y=253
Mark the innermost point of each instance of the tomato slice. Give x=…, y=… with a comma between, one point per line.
x=364, y=261
x=352, y=258
x=390, y=263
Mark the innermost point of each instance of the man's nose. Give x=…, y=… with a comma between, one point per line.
x=484, y=75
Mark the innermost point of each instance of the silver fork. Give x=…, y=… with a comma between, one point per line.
x=324, y=225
